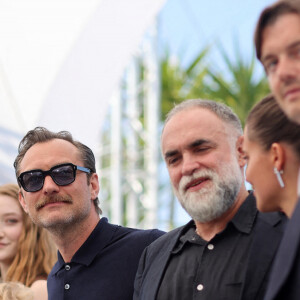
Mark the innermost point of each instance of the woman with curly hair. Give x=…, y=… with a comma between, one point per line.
x=27, y=253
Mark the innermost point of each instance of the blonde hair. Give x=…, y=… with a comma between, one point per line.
x=15, y=291
x=36, y=253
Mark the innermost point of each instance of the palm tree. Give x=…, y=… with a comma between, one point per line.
x=240, y=87
x=179, y=83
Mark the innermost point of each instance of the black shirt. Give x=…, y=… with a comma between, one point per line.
x=104, y=267
x=210, y=270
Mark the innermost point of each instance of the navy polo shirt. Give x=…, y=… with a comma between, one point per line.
x=104, y=267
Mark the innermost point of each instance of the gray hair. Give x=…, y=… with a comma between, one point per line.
x=221, y=110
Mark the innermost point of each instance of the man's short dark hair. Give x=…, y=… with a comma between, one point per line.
x=269, y=16
x=42, y=135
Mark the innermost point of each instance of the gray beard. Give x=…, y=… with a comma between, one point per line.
x=209, y=203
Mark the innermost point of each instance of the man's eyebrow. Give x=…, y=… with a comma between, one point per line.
x=171, y=153
x=267, y=57
x=289, y=47
x=198, y=143
x=295, y=44
x=192, y=145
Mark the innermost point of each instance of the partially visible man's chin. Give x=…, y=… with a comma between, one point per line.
x=294, y=114
x=291, y=109
x=56, y=222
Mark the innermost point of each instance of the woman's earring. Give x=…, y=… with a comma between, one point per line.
x=279, y=178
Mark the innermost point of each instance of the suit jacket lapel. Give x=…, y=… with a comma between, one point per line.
x=262, y=253
x=158, y=266
x=286, y=254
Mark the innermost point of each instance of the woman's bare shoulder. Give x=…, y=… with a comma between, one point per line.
x=39, y=288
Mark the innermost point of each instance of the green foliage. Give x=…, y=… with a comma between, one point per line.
x=238, y=86
x=178, y=83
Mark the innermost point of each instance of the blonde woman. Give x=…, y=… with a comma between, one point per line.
x=27, y=253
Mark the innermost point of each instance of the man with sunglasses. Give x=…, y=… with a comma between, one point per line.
x=59, y=190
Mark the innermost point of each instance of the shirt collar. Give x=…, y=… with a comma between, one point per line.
x=100, y=237
x=245, y=217
x=243, y=221
x=188, y=235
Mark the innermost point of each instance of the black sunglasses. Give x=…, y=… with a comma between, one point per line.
x=64, y=174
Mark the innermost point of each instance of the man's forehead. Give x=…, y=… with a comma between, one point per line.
x=192, y=115
x=51, y=152
x=57, y=144
x=192, y=126
x=283, y=23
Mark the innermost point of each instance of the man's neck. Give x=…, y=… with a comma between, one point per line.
x=68, y=240
x=208, y=230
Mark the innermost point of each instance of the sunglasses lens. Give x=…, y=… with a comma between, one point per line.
x=63, y=175
x=33, y=181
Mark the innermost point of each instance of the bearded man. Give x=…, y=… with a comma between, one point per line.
x=226, y=250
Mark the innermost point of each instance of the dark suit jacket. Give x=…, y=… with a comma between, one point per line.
x=268, y=231
x=285, y=276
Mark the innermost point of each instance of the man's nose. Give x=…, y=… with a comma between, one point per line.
x=49, y=185
x=189, y=165
x=286, y=69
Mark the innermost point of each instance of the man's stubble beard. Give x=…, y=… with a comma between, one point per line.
x=61, y=224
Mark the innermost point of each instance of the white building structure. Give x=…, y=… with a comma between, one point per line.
x=60, y=62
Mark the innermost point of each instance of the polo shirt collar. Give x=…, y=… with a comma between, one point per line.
x=101, y=235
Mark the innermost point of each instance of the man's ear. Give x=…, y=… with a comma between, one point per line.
x=22, y=201
x=278, y=156
x=240, y=152
x=94, y=186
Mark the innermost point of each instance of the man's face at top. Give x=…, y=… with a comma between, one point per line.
x=280, y=55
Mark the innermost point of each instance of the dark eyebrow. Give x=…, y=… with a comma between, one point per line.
x=198, y=143
x=289, y=47
x=266, y=58
x=192, y=145
x=295, y=44
x=171, y=153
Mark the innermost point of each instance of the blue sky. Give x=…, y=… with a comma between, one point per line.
x=187, y=26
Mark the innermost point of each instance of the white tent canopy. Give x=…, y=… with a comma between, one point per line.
x=60, y=62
